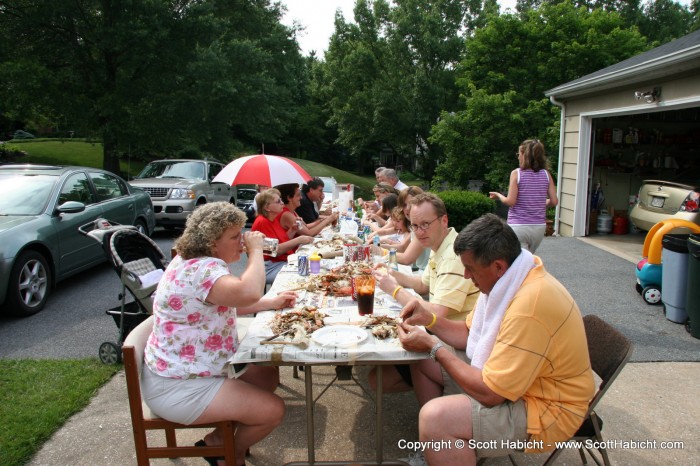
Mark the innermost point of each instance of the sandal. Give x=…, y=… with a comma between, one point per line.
x=212, y=460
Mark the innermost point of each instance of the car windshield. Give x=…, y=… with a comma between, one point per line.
x=22, y=194
x=173, y=169
x=246, y=194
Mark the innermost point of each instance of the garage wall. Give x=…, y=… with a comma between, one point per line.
x=676, y=92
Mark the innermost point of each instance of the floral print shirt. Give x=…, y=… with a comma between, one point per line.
x=191, y=337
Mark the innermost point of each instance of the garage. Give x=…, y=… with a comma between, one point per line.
x=633, y=121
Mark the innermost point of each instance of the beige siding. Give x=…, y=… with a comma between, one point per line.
x=568, y=185
x=604, y=103
x=567, y=176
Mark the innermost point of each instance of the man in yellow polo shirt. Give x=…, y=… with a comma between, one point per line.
x=450, y=294
x=526, y=380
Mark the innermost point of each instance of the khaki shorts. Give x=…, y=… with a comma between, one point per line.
x=496, y=431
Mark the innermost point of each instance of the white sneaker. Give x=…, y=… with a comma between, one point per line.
x=415, y=459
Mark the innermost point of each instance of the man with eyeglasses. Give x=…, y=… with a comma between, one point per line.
x=450, y=294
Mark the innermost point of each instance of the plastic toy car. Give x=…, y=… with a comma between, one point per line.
x=649, y=268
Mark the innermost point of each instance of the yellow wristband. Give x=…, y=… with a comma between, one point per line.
x=433, y=322
x=396, y=290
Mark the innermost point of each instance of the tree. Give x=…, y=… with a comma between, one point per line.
x=152, y=75
x=508, y=66
x=664, y=21
x=392, y=72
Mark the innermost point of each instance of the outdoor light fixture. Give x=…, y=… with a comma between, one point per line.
x=650, y=96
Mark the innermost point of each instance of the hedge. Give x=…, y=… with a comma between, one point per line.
x=465, y=206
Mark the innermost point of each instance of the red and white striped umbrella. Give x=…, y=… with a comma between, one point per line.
x=267, y=170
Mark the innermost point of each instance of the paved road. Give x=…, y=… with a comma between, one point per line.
x=74, y=323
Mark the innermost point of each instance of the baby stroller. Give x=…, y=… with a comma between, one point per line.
x=140, y=263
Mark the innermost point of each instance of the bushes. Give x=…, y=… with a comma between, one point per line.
x=465, y=206
x=10, y=153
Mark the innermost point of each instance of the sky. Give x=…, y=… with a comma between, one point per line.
x=318, y=15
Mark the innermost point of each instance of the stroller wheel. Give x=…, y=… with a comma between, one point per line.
x=110, y=353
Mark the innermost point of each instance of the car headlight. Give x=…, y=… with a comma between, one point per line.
x=180, y=193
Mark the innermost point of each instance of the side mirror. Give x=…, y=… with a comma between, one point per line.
x=70, y=207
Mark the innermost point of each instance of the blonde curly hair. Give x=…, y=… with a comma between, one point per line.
x=206, y=224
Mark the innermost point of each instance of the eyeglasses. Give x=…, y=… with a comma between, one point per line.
x=278, y=201
x=423, y=226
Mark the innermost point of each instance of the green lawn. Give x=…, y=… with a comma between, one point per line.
x=69, y=152
x=89, y=154
x=38, y=397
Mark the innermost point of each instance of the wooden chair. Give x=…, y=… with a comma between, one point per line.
x=143, y=420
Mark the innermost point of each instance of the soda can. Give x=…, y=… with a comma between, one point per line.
x=303, y=264
x=353, y=291
x=365, y=253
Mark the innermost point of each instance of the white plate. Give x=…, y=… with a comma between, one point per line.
x=339, y=335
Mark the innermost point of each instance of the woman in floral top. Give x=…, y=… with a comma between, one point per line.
x=195, y=307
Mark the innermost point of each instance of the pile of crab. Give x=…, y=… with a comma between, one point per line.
x=337, y=281
x=382, y=327
x=297, y=323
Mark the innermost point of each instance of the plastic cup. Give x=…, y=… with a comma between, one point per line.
x=364, y=287
x=269, y=246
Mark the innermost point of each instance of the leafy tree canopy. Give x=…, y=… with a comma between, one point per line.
x=152, y=75
x=508, y=66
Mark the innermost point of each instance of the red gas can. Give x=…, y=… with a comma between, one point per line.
x=620, y=225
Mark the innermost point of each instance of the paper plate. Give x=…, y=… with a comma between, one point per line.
x=339, y=335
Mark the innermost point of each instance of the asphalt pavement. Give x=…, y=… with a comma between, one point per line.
x=74, y=322
x=654, y=399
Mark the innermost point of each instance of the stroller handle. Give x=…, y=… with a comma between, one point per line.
x=100, y=227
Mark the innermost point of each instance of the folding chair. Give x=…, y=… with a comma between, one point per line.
x=143, y=420
x=609, y=351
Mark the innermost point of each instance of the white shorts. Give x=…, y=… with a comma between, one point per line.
x=178, y=400
x=530, y=236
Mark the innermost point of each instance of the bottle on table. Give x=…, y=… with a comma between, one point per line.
x=358, y=209
x=393, y=262
x=376, y=250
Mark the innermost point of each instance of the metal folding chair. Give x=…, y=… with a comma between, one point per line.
x=609, y=351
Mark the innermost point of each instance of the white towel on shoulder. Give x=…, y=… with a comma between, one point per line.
x=490, y=308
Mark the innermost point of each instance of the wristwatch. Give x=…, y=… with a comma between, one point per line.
x=434, y=350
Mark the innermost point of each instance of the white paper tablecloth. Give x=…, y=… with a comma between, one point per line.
x=339, y=309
